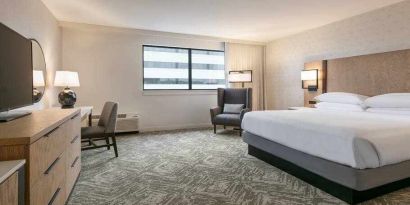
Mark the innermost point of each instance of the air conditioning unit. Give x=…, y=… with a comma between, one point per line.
x=126, y=123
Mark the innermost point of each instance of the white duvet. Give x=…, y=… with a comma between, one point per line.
x=357, y=139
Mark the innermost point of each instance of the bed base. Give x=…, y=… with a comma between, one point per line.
x=344, y=193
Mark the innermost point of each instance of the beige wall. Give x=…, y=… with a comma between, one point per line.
x=109, y=62
x=32, y=19
x=386, y=29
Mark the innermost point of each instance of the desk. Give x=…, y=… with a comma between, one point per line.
x=12, y=185
x=86, y=112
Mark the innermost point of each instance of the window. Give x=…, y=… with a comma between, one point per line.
x=168, y=68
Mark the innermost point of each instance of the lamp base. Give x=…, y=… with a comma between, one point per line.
x=67, y=98
x=67, y=106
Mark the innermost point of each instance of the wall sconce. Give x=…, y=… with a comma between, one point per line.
x=310, y=79
x=240, y=76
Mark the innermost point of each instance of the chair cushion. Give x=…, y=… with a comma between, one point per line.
x=91, y=132
x=233, y=108
x=228, y=119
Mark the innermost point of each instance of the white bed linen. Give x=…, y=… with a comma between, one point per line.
x=357, y=139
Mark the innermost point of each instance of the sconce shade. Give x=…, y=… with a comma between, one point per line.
x=38, y=78
x=244, y=76
x=66, y=79
x=308, y=75
x=310, y=79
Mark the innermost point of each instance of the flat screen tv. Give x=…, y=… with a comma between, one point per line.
x=16, y=73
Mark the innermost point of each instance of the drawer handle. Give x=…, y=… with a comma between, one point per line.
x=54, y=196
x=75, y=139
x=75, y=161
x=52, y=165
x=75, y=116
x=53, y=130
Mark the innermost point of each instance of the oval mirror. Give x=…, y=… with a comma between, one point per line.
x=39, y=71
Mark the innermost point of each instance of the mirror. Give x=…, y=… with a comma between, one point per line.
x=39, y=71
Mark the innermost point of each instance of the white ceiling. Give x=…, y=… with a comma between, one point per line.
x=256, y=20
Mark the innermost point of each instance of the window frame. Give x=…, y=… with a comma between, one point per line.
x=189, y=66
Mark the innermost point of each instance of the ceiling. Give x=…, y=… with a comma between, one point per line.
x=255, y=20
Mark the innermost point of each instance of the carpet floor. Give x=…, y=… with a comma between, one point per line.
x=193, y=167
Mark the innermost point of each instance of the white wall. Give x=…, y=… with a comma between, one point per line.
x=32, y=19
x=386, y=29
x=109, y=62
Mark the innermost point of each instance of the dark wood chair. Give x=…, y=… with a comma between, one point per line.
x=103, y=131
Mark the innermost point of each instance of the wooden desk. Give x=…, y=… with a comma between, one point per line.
x=86, y=112
x=12, y=182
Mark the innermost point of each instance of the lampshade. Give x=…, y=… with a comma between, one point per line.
x=308, y=75
x=240, y=76
x=38, y=78
x=66, y=79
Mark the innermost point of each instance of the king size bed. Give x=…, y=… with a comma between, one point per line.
x=354, y=156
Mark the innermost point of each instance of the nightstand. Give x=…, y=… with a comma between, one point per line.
x=300, y=108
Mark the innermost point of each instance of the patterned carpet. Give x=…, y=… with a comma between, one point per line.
x=193, y=167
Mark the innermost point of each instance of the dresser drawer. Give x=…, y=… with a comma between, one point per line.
x=51, y=181
x=59, y=196
x=45, y=151
x=73, y=171
x=73, y=128
x=73, y=151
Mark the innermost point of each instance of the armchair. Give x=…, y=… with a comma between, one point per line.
x=238, y=96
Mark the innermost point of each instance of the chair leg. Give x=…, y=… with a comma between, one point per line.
x=240, y=132
x=114, y=142
x=224, y=127
x=214, y=129
x=107, y=140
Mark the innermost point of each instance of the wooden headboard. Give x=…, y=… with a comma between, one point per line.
x=370, y=75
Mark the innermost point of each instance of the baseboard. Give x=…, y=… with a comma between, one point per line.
x=175, y=127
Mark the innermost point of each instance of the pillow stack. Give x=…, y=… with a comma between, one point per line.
x=392, y=103
x=341, y=101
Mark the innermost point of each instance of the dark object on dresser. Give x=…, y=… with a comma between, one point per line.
x=103, y=131
x=67, y=98
x=231, y=96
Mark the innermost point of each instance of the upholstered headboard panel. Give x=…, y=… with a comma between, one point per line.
x=370, y=75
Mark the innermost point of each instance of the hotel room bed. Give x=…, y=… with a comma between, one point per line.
x=351, y=155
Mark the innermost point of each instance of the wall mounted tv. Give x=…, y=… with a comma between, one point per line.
x=16, y=73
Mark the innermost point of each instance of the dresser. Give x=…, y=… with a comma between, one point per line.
x=50, y=142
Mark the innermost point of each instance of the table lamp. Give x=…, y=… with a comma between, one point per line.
x=67, y=79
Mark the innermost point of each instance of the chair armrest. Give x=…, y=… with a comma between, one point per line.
x=243, y=111
x=215, y=111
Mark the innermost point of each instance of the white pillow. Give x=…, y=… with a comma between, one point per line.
x=340, y=97
x=391, y=100
x=392, y=111
x=233, y=108
x=339, y=107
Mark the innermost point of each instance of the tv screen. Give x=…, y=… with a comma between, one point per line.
x=16, y=70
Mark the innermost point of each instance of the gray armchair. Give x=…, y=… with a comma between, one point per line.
x=236, y=96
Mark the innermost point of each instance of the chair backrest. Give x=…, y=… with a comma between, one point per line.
x=108, y=118
x=235, y=96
